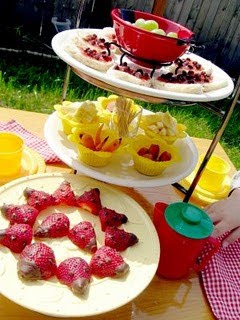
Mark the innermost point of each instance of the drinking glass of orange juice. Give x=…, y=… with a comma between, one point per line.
x=11, y=149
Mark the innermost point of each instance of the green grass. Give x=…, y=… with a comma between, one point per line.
x=34, y=84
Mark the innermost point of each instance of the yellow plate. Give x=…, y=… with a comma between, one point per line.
x=32, y=162
x=205, y=196
x=55, y=299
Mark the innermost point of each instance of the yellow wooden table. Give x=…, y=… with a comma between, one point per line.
x=163, y=299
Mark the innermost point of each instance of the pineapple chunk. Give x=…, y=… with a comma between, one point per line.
x=153, y=128
x=159, y=125
x=163, y=132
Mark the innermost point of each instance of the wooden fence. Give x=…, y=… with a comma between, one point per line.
x=216, y=24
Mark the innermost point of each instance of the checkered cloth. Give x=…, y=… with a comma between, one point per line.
x=221, y=280
x=31, y=140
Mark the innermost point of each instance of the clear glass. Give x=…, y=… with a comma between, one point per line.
x=126, y=120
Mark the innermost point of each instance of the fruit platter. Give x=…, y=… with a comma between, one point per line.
x=68, y=240
x=114, y=140
x=122, y=59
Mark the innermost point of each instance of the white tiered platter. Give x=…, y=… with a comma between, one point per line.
x=121, y=170
x=103, y=80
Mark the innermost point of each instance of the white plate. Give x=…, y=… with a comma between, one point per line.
x=120, y=171
x=58, y=44
x=51, y=297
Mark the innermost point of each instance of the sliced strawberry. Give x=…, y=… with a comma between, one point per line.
x=20, y=214
x=37, y=261
x=83, y=236
x=90, y=201
x=75, y=273
x=142, y=151
x=111, y=218
x=38, y=199
x=54, y=226
x=119, y=239
x=64, y=195
x=148, y=156
x=107, y=262
x=16, y=237
x=154, y=150
x=165, y=156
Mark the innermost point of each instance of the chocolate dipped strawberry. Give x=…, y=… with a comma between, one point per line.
x=16, y=237
x=55, y=225
x=20, y=213
x=75, y=273
x=107, y=262
x=83, y=236
x=111, y=218
x=64, y=195
x=37, y=261
x=90, y=201
x=38, y=199
x=119, y=239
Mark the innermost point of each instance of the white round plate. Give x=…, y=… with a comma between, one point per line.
x=51, y=297
x=58, y=44
x=121, y=170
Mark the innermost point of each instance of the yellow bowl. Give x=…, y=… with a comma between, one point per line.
x=147, y=166
x=103, y=102
x=214, y=173
x=88, y=156
x=169, y=139
x=68, y=123
x=93, y=158
x=11, y=148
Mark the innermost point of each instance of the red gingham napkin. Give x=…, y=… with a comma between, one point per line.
x=31, y=140
x=221, y=280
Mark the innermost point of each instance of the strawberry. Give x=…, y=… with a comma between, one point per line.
x=154, y=150
x=20, y=214
x=107, y=262
x=90, y=201
x=165, y=156
x=38, y=199
x=110, y=218
x=148, y=156
x=119, y=239
x=16, y=237
x=75, y=273
x=142, y=151
x=54, y=226
x=64, y=195
x=37, y=261
x=83, y=236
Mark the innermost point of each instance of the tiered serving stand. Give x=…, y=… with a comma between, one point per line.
x=125, y=89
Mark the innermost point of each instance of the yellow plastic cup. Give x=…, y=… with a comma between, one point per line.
x=214, y=174
x=11, y=148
